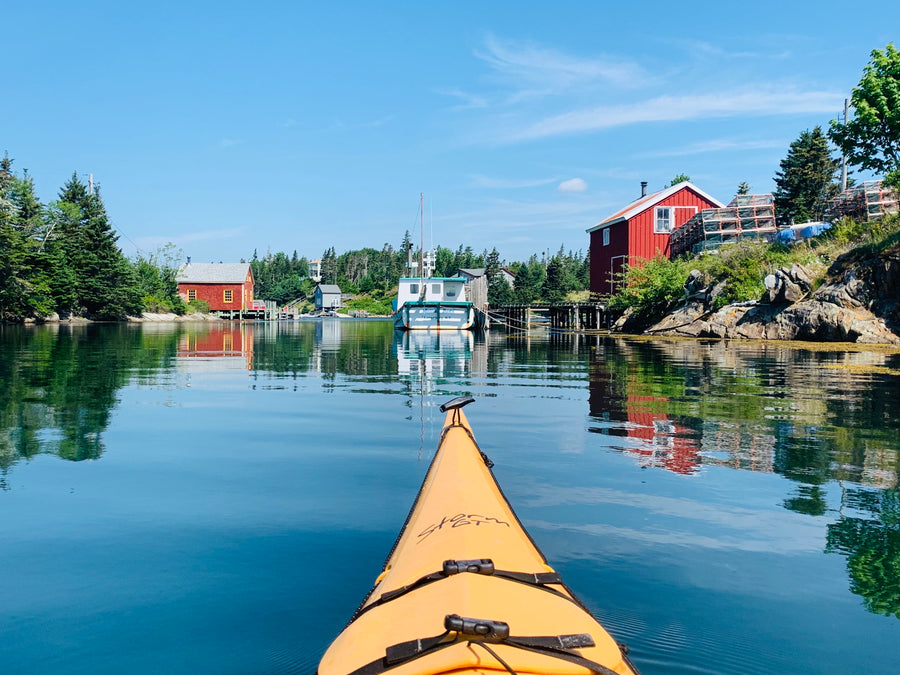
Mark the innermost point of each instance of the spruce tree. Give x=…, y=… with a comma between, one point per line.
x=12, y=250
x=106, y=286
x=807, y=179
x=499, y=291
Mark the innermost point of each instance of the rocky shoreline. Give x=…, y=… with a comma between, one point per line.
x=147, y=317
x=859, y=302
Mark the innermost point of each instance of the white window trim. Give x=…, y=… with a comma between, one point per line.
x=656, y=218
x=606, y=236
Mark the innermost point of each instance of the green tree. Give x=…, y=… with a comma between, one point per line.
x=155, y=275
x=499, y=291
x=743, y=188
x=871, y=140
x=680, y=178
x=106, y=284
x=529, y=280
x=329, y=267
x=807, y=179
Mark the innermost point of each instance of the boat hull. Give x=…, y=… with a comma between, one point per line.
x=425, y=315
x=465, y=587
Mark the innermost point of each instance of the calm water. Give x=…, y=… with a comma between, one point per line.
x=218, y=499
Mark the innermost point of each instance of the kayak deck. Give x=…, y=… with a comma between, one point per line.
x=466, y=590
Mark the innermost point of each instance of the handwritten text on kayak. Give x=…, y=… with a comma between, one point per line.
x=460, y=520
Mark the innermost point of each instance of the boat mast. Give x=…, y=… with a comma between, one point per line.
x=422, y=250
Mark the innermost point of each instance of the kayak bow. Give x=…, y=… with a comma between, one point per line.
x=466, y=590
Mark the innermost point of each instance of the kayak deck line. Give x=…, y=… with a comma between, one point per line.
x=480, y=566
x=481, y=632
x=464, y=563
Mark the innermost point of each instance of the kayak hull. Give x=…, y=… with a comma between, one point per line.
x=463, y=553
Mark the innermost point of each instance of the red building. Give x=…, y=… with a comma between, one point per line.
x=641, y=230
x=225, y=286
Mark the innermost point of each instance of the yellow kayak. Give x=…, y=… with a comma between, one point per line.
x=466, y=590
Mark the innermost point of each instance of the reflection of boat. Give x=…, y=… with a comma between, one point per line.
x=429, y=303
x=466, y=590
x=433, y=353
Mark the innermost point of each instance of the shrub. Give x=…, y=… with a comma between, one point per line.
x=370, y=305
x=198, y=307
x=655, y=284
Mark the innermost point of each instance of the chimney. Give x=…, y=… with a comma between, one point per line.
x=643, y=188
x=189, y=260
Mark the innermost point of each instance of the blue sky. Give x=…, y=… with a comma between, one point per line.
x=228, y=127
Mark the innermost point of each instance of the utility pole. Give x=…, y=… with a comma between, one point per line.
x=843, y=156
x=90, y=183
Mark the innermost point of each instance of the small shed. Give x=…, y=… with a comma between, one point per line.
x=641, y=229
x=225, y=286
x=473, y=273
x=328, y=296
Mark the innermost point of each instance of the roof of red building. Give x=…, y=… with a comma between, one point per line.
x=213, y=273
x=642, y=204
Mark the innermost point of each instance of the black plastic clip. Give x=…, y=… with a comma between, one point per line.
x=491, y=631
x=457, y=402
x=480, y=566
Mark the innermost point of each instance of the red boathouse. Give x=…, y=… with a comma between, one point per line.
x=225, y=286
x=641, y=230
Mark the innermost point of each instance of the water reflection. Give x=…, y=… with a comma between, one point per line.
x=868, y=533
x=826, y=421
x=220, y=345
x=58, y=386
x=811, y=416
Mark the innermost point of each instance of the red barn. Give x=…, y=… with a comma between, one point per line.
x=225, y=286
x=641, y=230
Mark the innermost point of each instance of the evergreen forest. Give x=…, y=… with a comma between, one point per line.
x=63, y=258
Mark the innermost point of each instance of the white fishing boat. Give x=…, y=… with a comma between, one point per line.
x=433, y=303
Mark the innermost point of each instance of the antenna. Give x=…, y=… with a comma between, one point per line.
x=844, y=156
x=422, y=250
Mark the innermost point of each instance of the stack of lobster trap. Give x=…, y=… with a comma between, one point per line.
x=865, y=202
x=745, y=217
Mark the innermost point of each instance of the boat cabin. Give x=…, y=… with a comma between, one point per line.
x=431, y=289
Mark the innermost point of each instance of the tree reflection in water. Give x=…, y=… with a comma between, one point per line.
x=60, y=386
x=814, y=416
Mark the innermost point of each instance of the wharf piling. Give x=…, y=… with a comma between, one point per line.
x=572, y=316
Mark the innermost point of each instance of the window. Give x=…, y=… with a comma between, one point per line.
x=192, y=294
x=414, y=288
x=228, y=295
x=606, y=236
x=436, y=289
x=663, y=221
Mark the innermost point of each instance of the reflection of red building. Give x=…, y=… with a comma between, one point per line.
x=657, y=440
x=666, y=445
x=226, y=340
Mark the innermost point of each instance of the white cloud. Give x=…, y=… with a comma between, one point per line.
x=573, y=185
x=716, y=145
x=468, y=101
x=753, y=101
x=542, y=70
x=507, y=184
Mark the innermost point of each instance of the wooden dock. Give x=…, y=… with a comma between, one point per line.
x=568, y=316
